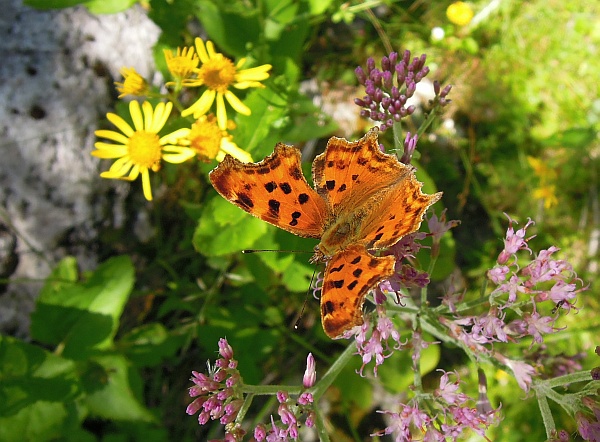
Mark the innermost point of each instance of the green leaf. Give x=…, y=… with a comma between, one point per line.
x=231, y=30
x=396, y=373
x=224, y=228
x=29, y=374
x=149, y=345
x=83, y=316
x=53, y=4
x=118, y=399
x=318, y=7
x=253, y=130
x=109, y=6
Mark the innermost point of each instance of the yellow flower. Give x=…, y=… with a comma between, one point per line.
x=547, y=194
x=459, y=13
x=133, y=83
x=541, y=169
x=209, y=141
x=218, y=74
x=139, y=149
x=182, y=65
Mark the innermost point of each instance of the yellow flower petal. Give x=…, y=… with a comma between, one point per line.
x=202, y=105
x=254, y=74
x=248, y=84
x=210, y=49
x=233, y=150
x=183, y=154
x=201, y=50
x=221, y=112
x=111, y=135
x=108, y=151
x=146, y=185
x=135, y=172
x=120, y=123
x=236, y=104
x=161, y=115
x=148, y=115
x=136, y=116
x=174, y=137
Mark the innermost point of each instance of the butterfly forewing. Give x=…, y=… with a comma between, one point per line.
x=347, y=174
x=273, y=190
x=398, y=212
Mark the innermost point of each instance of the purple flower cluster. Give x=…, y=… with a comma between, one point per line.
x=449, y=415
x=389, y=88
x=376, y=345
x=219, y=396
x=290, y=411
x=520, y=290
x=587, y=425
x=216, y=395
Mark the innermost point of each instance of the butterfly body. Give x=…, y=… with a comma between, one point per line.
x=363, y=200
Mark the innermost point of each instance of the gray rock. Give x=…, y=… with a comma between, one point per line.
x=56, y=83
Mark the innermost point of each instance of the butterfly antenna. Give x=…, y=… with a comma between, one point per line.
x=312, y=279
x=273, y=250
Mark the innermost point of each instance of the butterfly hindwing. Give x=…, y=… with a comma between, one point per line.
x=349, y=276
x=273, y=190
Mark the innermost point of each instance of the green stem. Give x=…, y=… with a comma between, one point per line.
x=271, y=389
x=546, y=413
x=333, y=372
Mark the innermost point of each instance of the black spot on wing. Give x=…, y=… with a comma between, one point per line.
x=274, y=207
x=342, y=188
x=330, y=184
x=302, y=198
x=296, y=173
x=357, y=272
x=287, y=189
x=328, y=308
x=270, y=186
x=336, y=269
x=356, y=260
x=245, y=200
x=352, y=284
x=362, y=161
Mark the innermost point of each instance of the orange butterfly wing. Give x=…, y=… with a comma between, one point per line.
x=349, y=276
x=273, y=190
x=364, y=199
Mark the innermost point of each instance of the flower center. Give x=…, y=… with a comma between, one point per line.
x=218, y=73
x=205, y=137
x=145, y=150
x=181, y=66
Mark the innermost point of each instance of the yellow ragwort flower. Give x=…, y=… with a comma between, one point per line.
x=546, y=193
x=133, y=83
x=210, y=142
x=219, y=74
x=139, y=149
x=541, y=169
x=181, y=65
x=459, y=13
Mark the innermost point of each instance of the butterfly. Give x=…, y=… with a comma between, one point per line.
x=363, y=200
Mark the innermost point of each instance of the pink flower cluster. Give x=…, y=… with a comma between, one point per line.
x=449, y=415
x=215, y=394
x=219, y=396
x=290, y=411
